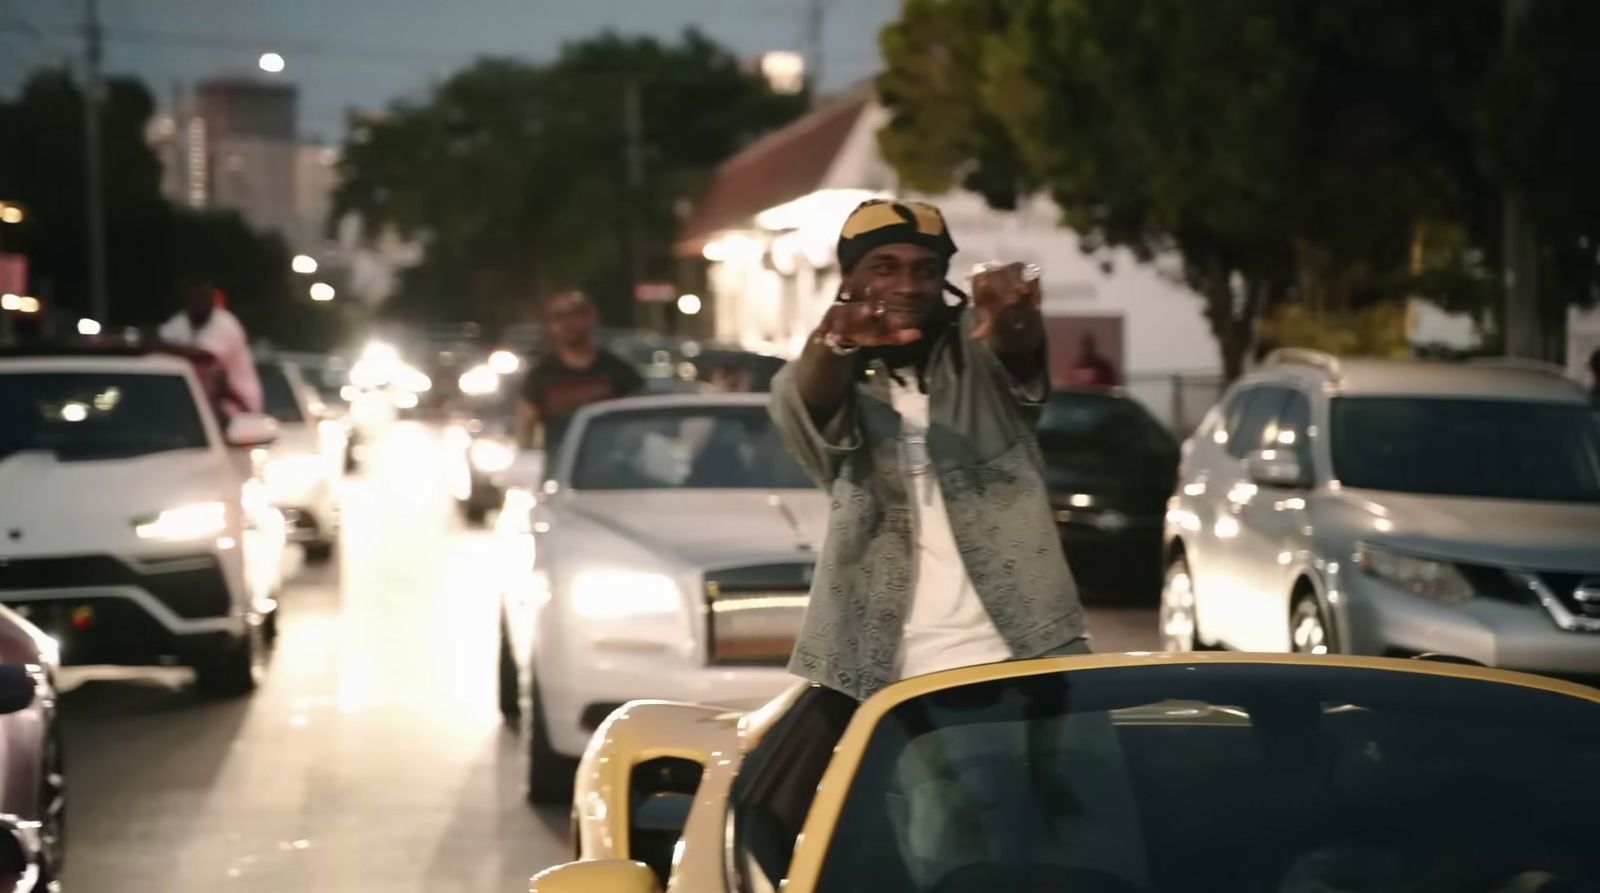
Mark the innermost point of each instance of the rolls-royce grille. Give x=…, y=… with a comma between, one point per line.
x=753, y=614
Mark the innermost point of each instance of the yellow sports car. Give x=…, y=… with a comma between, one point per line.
x=1106, y=774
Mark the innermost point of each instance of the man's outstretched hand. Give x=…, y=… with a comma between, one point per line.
x=1003, y=297
x=865, y=324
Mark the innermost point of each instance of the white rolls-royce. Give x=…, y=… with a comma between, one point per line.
x=673, y=547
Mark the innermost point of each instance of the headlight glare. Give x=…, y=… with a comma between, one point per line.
x=491, y=455
x=611, y=595
x=186, y=522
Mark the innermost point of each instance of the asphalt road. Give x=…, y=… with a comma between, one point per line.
x=372, y=760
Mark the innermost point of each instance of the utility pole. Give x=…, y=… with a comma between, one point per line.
x=633, y=164
x=95, y=189
x=1524, y=317
x=816, y=17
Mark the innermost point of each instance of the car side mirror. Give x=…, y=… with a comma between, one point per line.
x=1277, y=468
x=251, y=429
x=17, y=688
x=600, y=876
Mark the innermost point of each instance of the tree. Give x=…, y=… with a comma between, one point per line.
x=150, y=243
x=516, y=175
x=1542, y=128
x=1280, y=148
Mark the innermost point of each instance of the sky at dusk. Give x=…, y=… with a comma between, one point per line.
x=365, y=53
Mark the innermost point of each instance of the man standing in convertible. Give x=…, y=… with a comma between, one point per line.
x=914, y=406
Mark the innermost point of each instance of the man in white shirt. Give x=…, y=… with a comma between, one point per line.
x=204, y=325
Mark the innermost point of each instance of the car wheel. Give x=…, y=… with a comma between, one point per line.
x=52, y=810
x=510, y=695
x=1179, y=631
x=1308, y=628
x=550, y=774
x=320, y=551
x=233, y=671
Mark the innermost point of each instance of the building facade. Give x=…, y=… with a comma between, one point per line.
x=768, y=224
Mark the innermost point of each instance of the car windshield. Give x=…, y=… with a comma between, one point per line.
x=1488, y=449
x=1100, y=425
x=1224, y=778
x=80, y=416
x=698, y=447
x=277, y=393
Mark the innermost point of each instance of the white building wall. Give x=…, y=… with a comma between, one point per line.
x=1164, y=330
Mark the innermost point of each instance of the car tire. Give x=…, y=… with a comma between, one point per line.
x=550, y=774
x=320, y=551
x=234, y=671
x=1309, y=631
x=510, y=694
x=1176, y=619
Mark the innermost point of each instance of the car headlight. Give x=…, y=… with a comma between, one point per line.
x=491, y=456
x=294, y=475
x=186, y=522
x=610, y=595
x=1438, y=581
x=479, y=381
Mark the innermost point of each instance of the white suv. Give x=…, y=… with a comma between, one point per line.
x=129, y=529
x=1392, y=508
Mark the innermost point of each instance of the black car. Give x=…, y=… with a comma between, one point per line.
x=1110, y=467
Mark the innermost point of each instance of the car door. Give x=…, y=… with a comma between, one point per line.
x=1270, y=549
x=1223, y=608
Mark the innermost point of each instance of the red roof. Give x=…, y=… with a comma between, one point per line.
x=779, y=167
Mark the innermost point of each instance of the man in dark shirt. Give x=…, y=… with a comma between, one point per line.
x=574, y=373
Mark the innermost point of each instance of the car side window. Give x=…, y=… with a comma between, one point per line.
x=1291, y=429
x=1259, y=412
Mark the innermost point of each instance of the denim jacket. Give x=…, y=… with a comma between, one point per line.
x=981, y=442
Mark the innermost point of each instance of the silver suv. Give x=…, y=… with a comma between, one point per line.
x=1391, y=508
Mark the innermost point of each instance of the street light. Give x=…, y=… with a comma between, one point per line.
x=271, y=63
x=88, y=327
x=321, y=291
x=688, y=305
x=303, y=263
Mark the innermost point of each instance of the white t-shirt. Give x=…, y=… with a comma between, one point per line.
x=947, y=625
x=223, y=337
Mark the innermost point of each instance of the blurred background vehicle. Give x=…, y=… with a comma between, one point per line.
x=1374, y=507
x=674, y=546
x=1110, y=467
x=482, y=435
x=134, y=532
x=303, y=465
x=328, y=376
